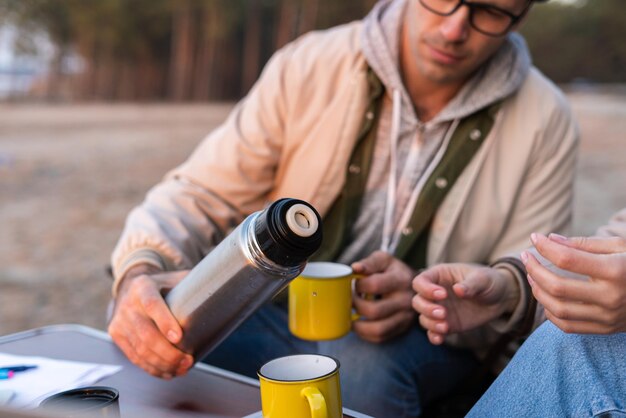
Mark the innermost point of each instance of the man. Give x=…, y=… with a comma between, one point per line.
x=422, y=135
x=561, y=371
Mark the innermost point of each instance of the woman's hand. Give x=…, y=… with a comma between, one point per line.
x=593, y=306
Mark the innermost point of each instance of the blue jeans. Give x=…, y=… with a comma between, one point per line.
x=560, y=375
x=393, y=379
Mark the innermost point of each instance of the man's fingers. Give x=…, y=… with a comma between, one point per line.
x=382, y=283
x=149, y=345
x=427, y=285
x=130, y=353
x=376, y=262
x=382, y=330
x=159, y=351
x=151, y=357
x=139, y=326
x=424, y=306
x=382, y=308
x=129, y=348
x=608, y=266
x=434, y=338
x=169, y=331
x=375, y=284
x=154, y=305
x=475, y=283
x=434, y=325
x=596, y=245
x=383, y=274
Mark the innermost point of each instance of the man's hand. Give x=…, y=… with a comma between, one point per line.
x=593, y=306
x=458, y=297
x=144, y=328
x=389, y=312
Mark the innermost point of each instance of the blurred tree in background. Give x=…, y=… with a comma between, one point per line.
x=184, y=50
x=582, y=41
x=169, y=49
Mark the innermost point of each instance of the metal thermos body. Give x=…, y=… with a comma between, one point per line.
x=251, y=265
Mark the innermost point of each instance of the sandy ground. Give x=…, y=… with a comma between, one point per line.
x=70, y=174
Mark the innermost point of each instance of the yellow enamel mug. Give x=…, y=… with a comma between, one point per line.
x=320, y=301
x=303, y=386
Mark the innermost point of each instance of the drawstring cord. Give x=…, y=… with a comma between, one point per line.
x=390, y=205
x=391, y=236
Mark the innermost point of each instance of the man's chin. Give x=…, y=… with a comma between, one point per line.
x=443, y=74
x=447, y=76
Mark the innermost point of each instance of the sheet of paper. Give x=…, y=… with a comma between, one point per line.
x=51, y=376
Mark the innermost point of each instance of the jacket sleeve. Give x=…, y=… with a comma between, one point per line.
x=545, y=200
x=227, y=177
x=543, y=203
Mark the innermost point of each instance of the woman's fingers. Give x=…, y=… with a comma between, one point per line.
x=569, y=310
x=560, y=287
x=596, y=245
x=579, y=327
x=605, y=266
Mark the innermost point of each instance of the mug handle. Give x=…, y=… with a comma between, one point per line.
x=316, y=400
x=355, y=316
x=366, y=296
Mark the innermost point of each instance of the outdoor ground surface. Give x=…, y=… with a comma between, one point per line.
x=69, y=174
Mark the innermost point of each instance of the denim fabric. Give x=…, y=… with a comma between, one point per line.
x=261, y=338
x=393, y=379
x=398, y=377
x=560, y=375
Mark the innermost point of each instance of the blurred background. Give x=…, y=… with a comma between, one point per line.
x=99, y=98
x=199, y=50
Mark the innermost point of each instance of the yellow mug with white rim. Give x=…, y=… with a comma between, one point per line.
x=303, y=386
x=320, y=301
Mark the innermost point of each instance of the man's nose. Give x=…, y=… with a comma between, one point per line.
x=456, y=27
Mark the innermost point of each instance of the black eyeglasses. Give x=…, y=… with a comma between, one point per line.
x=485, y=18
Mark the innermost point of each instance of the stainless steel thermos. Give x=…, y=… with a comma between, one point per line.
x=251, y=265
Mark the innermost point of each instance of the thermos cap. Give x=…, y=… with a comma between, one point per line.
x=93, y=401
x=289, y=231
x=302, y=220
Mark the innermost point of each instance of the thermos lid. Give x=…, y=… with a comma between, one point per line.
x=289, y=231
x=96, y=401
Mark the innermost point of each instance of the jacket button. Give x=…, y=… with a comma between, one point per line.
x=354, y=169
x=441, y=183
x=369, y=115
x=475, y=134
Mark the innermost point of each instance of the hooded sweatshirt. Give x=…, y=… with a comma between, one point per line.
x=407, y=149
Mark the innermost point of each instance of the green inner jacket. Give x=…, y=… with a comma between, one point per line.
x=412, y=248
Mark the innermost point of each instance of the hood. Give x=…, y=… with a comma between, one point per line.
x=498, y=78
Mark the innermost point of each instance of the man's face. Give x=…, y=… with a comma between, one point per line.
x=446, y=49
